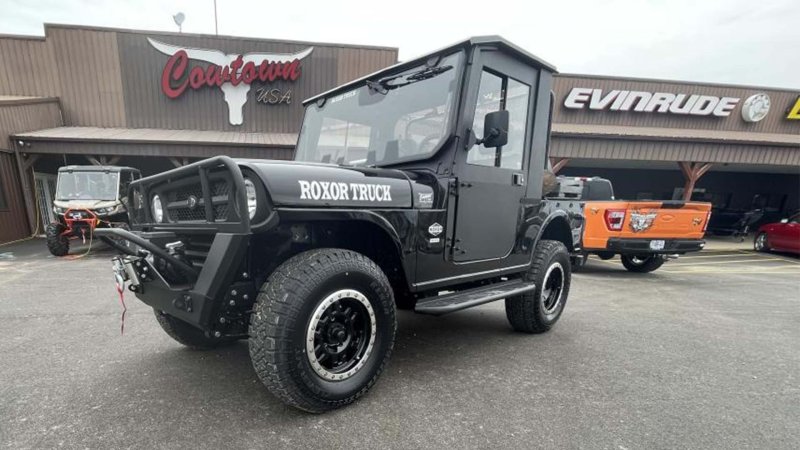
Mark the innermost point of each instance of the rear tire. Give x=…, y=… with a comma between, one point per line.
x=57, y=243
x=605, y=256
x=186, y=334
x=537, y=311
x=761, y=243
x=642, y=263
x=322, y=329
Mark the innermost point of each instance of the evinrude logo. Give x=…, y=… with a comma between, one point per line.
x=642, y=101
x=642, y=221
x=755, y=108
x=332, y=190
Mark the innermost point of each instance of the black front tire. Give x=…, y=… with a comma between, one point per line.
x=57, y=243
x=286, y=317
x=642, y=263
x=537, y=311
x=188, y=335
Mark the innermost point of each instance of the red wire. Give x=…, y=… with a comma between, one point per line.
x=121, y=290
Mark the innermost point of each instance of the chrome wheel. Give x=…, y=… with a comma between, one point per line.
x=760, y=242
x=341, y=335
x=552, y=288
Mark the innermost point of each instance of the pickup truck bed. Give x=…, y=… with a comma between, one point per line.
x=644, y=233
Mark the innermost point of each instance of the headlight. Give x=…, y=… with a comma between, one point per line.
x=157, y=209
x=252, y=201
x=106, y=211
x=59, y=210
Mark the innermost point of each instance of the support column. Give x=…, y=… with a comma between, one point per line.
x=692, y=171
x=178, y=162
x=558, y=163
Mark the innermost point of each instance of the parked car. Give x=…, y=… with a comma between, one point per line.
x=783, y=236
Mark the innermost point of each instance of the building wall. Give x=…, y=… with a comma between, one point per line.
x=27, y=115
x=28, y=67
x=91, y=85
x=112, y=78
x=13, y=215
x=17, y=116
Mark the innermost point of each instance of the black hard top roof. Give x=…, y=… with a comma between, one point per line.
x=95, y=169
x=471, y=42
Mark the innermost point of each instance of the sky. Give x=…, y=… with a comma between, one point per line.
x=748, y=42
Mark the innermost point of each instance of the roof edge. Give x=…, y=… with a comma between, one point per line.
x=661, y=80
x=48, y=26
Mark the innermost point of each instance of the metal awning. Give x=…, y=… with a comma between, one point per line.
x=158, y=136
x=676, y=135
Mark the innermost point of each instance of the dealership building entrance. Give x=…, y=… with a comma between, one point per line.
x=734, y=146
x=155, y=101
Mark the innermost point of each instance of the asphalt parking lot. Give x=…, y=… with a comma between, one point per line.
x=700, y=354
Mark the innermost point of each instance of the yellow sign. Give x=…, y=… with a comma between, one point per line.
x=794, y=113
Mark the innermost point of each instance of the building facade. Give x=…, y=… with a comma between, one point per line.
x=154, y=101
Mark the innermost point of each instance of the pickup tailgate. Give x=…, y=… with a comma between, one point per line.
x=668, y=220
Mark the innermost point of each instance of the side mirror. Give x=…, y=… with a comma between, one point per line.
x=495, y=129
x=784, y=220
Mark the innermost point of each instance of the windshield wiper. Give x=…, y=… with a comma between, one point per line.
x=384, y=85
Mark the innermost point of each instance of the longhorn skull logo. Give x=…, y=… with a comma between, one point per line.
x=641, y=221
x=231, y=72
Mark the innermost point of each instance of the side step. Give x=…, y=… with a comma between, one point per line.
x=443, y=304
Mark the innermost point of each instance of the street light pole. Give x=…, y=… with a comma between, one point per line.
x=216, y=29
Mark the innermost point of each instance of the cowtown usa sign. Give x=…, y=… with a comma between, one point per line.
x=233, y=73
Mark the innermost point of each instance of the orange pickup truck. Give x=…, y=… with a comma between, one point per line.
x=644, y=233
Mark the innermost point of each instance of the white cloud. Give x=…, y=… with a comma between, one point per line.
x=728, y=41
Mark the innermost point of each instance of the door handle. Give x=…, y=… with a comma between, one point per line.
x=518, y=179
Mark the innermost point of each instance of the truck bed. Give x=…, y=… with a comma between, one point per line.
x=623, y=226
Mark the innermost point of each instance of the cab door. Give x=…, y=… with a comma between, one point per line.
x=491, y=181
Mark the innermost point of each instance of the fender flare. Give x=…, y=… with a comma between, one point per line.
x=551, y=218
x=340, y=215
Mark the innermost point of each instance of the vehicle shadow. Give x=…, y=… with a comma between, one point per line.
x=193, y=380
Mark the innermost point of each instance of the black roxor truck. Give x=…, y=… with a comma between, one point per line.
x=417, y=187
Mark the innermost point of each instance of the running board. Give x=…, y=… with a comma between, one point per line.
x=443, y=304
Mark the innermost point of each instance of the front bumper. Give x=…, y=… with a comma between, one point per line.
x=642, y=246
x=199, y=296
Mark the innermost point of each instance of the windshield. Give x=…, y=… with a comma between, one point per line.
x=87, y=186
x=397, y=118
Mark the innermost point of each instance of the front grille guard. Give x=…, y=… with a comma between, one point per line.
x=208, y=195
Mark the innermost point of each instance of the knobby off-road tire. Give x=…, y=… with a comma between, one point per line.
x=642, y=263
x=188, y=335
x=537, y=311
x=56, y=243
x=295, y=345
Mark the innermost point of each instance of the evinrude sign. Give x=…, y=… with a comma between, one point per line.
x=233, y=73
x=648, y=102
